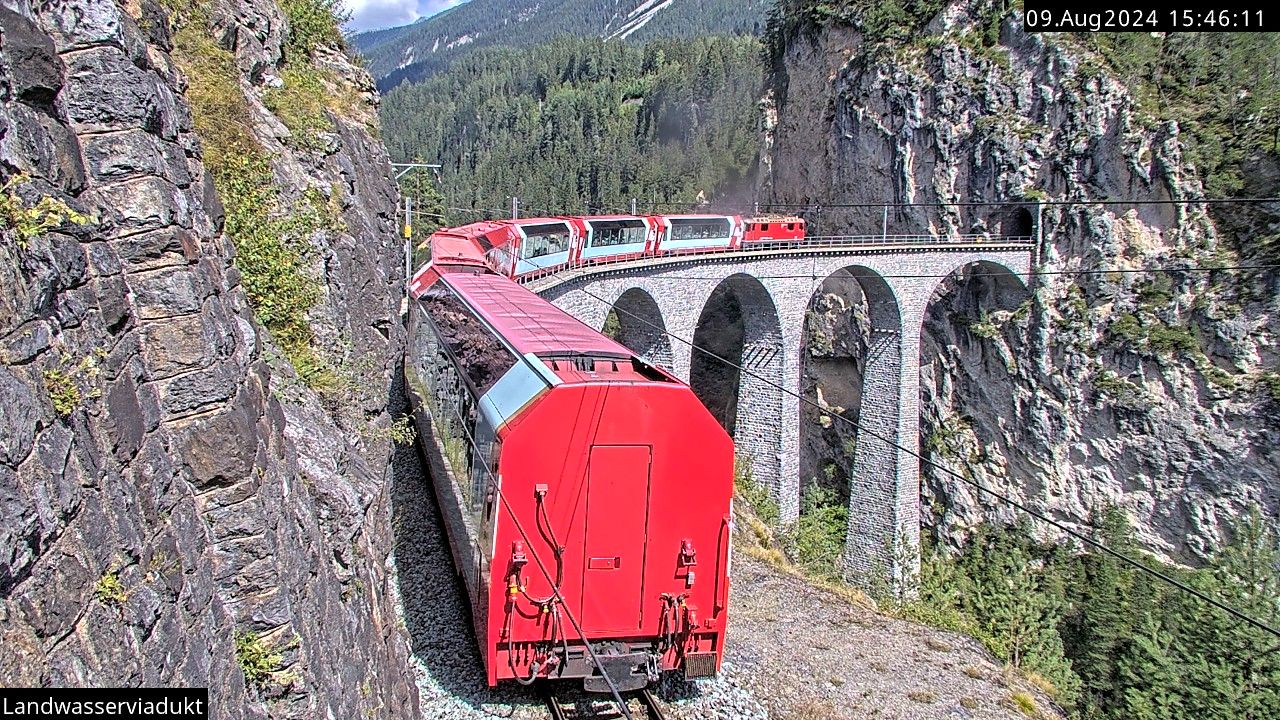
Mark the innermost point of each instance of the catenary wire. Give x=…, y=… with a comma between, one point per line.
x=995, y=203
x=999, y=496
x=1039, y=273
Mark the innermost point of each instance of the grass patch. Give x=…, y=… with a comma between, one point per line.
x=271, y=236
x=945, y=438
x=924, y=697
x=257, y=660
x=218, y=106
x=62, y=391
x=1024, y=703
x=756, y=496
x=312, y=23
x=984, y=328
x=400, y=432
x=300, y=104
x=816, y=542
x=70, y=383
x=272, y=250
x=109, y=590
x=1120, y=391
x=1151, y=336
x=612, y=326
x=1270, y=383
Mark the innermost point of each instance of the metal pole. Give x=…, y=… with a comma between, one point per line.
x=884, y=226
x=408, y=244
x=633, y=206
x=515, y=208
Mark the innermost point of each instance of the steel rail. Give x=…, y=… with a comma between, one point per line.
x=549, y=697
x=651, y=705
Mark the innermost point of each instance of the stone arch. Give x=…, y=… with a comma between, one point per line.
x=858, y=371
x=852, y=312
x=740, y=324
x=984, y=284
x=969, y=352
x=641, y=327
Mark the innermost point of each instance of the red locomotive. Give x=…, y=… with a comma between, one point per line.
x=586, y=493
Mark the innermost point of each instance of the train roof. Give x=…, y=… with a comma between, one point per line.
x=528, y=323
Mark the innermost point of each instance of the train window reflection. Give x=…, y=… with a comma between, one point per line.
x=544, y=240
x=699, y=229
x=617, y=232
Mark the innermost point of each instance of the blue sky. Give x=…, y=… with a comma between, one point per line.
x=374, y=14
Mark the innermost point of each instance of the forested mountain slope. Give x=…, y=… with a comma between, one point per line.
x=416, y=51
x=577, y=124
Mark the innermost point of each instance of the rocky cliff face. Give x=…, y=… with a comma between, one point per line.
x=1137, y=381
x=178, y=507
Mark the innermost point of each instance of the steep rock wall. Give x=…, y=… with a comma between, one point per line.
x=167, y=484
x=1143, y=389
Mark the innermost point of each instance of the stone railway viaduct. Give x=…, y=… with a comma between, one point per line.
x=661, y=301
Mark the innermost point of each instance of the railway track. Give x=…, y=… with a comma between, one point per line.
x=651, y=709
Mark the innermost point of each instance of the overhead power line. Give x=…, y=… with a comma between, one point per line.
x=994, y=203
x=1174, y=582
x=1034, y=273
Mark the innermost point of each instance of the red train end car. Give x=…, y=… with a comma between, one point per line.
x=586, y=493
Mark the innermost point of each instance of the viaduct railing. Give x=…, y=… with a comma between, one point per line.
x=542, y=280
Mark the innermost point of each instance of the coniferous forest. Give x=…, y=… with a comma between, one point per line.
x=1110, y=640
x=577, y=125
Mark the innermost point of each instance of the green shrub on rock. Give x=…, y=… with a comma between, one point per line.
x=312, y=23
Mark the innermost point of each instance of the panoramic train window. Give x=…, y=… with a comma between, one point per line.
x=617, y=232
x=700, y=229
x=544, y=240
x=467, y=339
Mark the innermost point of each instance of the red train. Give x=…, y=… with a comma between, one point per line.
x=536, y=246
x=586, y=493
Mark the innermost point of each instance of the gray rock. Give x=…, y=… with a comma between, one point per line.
x=125, y=424
x=34, y=69
x=168, y=293
x=18, y=422
x=25, y=343
x=124, y=154
x=107, y=91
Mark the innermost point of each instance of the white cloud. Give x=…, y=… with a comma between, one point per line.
x=373, y=14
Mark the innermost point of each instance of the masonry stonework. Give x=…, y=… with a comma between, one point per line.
x=899, y=282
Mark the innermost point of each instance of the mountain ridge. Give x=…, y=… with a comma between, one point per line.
x=416, y=51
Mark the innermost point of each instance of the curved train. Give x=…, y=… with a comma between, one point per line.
x=586, y=492
x=529, y=247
